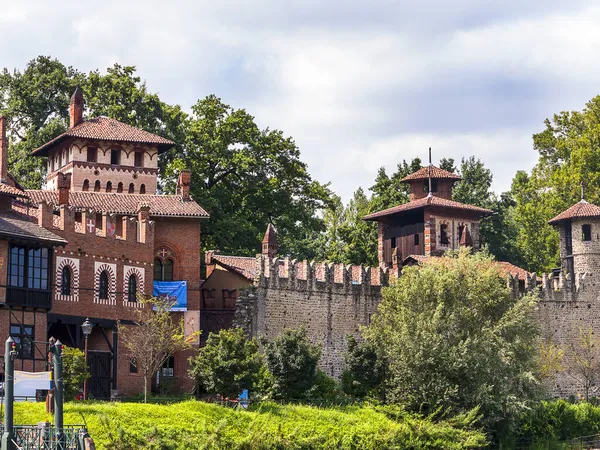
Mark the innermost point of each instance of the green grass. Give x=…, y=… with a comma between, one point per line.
x=197, y=425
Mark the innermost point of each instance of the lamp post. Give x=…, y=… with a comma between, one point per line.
x=86, y=327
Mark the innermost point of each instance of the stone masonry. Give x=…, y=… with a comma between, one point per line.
x=330, y=301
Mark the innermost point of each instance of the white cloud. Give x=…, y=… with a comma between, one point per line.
x=358, y=84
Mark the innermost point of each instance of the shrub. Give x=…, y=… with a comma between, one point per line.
x=325, y=388
x=365, y=370
x=74, y=371
x=455, y=339
x=228, y=363
x=292, y=360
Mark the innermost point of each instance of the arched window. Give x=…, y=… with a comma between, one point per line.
x=157, y=270
x=86, y=185
x=103, y=286
x=97, y=186
x=132, y=288
x=109, y=186
x=131, y=187
x=143, y=189
x=65, y=281
x=120, y=188
x=163, y=270
x=168, y=270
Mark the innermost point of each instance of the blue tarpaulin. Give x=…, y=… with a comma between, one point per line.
x=175, y=290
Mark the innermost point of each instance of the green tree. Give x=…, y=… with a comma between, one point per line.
x=359, y=237
x=448, y=164
x=121, y=94
x=292, y=360
x=569, y=154
x=74, y=371
x=36, y=105
x=499, y=231
x=228, y=364
x=247, y=177
x=390, y=191
x=454, y=338
x=365, y=370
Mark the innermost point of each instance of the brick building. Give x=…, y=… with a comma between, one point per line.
x=430, y=223
x=112, y=239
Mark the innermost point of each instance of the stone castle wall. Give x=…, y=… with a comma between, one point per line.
x=331, y=301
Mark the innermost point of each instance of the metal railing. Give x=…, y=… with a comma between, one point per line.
x=27, y=437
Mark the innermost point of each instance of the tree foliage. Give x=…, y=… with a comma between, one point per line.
x=454, y=338
x=366, y=370
x=247, y=177
x=154, y=337
x=228, y=364
x=292, y=360
x=74, y=371
x=569, y=155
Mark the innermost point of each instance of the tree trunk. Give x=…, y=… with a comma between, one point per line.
x=145, y=389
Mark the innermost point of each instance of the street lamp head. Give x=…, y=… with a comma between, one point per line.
x=86, y=327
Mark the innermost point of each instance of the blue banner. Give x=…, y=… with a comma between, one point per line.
x=176, y=291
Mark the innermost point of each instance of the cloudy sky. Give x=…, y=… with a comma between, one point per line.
x=358, y=84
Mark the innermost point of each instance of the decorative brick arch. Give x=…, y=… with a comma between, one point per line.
x=111, y=270
x=73, y=265
x=139, y=273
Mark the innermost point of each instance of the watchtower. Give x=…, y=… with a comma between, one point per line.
x=579, y=228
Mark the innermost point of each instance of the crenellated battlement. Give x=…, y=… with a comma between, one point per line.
x=87, y=221
x=289, y=274
x=551, y=287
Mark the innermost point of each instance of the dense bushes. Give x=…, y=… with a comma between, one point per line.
x=197, y=425
x=285, y=370
x=550, y=422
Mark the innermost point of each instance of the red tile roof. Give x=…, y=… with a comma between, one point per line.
x=430, y=200
x=504, y=266
x=128, y=204
x=20, y=226
x=243, y=265
x=582, y=210
x=9, y=190
x=107, y=129
x=270, y=236
x=436, y=172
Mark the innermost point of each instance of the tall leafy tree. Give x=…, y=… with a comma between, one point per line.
x=569, y=155
x=247, y=177
x=454, y=338
x=36, y=105
x=498, y=231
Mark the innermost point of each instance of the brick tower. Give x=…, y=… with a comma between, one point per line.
x=579, y=228
x=430, y=223
x=103, y=154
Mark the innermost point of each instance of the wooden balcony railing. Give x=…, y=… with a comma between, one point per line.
x=33, y=298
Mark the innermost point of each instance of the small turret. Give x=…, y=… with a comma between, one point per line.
x=76, y=108
x=579, y=228
x=269, y=243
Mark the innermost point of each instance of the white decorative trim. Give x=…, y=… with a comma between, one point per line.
x=73, y=264
x=111, y=269
x=139, y=274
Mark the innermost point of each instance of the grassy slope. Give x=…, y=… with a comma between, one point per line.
x=197, y=425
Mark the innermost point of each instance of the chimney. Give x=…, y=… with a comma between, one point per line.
x=63, y=183
x=269, y=243
x=3, y=151
x=76, y=108
x=183, y=185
